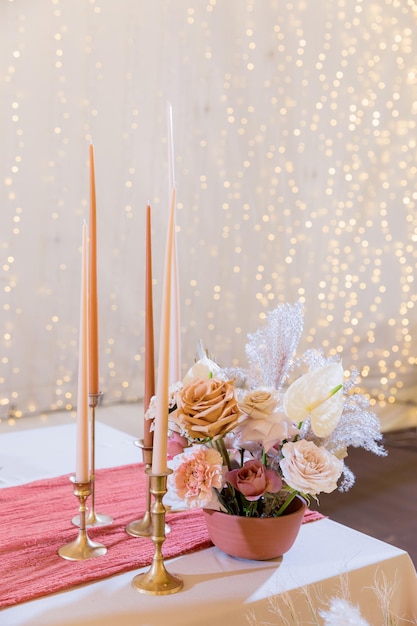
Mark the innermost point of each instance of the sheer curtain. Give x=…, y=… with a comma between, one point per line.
x=295, y=162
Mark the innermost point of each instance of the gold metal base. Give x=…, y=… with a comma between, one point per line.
x=157, y=581
x=141, y=527
x=94, y=519
x=82, y=548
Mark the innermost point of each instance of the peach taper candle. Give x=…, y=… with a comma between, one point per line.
x=92, y=287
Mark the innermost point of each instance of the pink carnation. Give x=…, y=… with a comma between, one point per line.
x=196, y=472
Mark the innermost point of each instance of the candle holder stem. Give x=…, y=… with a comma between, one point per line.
x=82, y=547
x=93, y=518
x=157, y=580
x=143, y=527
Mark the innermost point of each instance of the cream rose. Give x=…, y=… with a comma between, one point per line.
x=309, y=468
x=259, y=403
x=269, y=431
x=264, y=423
x=206, y=408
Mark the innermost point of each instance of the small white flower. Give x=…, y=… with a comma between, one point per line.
x=204, y=368
x=341, y=613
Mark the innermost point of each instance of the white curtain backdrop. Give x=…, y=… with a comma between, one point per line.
x=295, y=135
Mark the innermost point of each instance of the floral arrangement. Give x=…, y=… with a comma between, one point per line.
x=248, y=441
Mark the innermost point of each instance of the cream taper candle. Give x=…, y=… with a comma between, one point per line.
x=160, y=440
x=175, y=325
x=171, y=155
x=82, y=444
x=175, y=339
x=149, y=334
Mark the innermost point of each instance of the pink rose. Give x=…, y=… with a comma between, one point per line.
x=176, y=444
x=253, y=480
x=309, y=468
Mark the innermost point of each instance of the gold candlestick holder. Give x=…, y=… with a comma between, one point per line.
x=157, y=580
x=82, y=547
x=143, y=527
x=93, y=518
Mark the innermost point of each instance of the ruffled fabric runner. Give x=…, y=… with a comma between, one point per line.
x=36, y=522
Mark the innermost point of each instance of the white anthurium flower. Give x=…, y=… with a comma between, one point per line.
x=317, y=394
x=203, y=368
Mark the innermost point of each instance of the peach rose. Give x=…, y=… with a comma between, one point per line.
x=309, y=468
x=206, y=408
x=253, y=480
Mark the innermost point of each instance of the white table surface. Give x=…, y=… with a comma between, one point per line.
x=326, y=558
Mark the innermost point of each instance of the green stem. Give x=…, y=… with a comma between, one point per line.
x=221, y=447
x=285, y=504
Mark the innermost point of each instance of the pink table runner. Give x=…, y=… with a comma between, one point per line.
x=36, y=522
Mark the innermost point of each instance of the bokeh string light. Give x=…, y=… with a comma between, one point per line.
x=296, y=164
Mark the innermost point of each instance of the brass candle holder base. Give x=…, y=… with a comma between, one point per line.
x=93, y=518
x=157, y=580
x=143, y=527
x=98, y=519
x=82, y=547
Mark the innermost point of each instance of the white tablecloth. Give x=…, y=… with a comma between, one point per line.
x=328, y=560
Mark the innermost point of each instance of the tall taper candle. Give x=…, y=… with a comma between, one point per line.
x=171, y=155
x=93, y=386
x=81, y=469
x=160, y=443
x=149, y=334
x=175, y=338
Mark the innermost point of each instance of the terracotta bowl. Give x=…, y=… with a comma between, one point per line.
x=255, y=538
